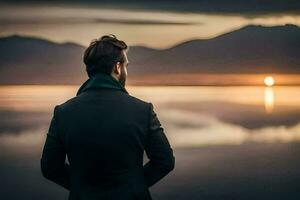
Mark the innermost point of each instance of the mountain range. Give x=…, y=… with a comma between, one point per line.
x=252, y=49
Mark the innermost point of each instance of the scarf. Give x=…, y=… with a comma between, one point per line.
x=101, y=80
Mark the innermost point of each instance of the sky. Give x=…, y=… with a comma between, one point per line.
x=159, y=24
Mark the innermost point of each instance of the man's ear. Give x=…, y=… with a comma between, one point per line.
x=117, y=68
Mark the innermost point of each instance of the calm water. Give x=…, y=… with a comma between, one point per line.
x=229, y=142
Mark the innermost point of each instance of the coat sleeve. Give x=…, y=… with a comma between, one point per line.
x=158, y=150
x=53, y=158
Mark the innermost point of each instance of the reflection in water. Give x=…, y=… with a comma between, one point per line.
x=269, y=99
x=44, y=98
x=34, y=97
x=192, y=116
x=226, y=127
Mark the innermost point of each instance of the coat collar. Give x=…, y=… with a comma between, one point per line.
x=101, y=80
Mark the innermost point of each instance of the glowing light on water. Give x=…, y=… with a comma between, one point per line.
x=269, y=99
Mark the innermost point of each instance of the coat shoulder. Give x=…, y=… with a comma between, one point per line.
x=68, y=102
x=125, y=97
x=139, y=101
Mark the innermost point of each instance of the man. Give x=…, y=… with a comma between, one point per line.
x=104, y=132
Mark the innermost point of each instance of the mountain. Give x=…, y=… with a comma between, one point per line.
x=250, y=50
x=29, y=60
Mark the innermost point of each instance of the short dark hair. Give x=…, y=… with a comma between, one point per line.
x=102, y=54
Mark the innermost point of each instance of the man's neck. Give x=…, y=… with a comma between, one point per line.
x=114, y=76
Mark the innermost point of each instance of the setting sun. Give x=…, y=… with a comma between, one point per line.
x=269, y=81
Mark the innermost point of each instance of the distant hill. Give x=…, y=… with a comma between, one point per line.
x=251, y=49
x=26, y=60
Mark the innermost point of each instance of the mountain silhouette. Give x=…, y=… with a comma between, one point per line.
x=252, y=49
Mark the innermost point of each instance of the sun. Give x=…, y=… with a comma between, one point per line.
x=269, y=81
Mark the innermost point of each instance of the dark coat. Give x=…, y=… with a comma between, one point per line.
x=104, y=133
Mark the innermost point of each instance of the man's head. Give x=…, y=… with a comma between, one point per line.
x=107, y=55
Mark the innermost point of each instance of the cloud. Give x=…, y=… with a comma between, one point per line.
x=68, y=15
x=57, y=21
x=240, y=7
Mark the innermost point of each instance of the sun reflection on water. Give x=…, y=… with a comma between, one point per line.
x=269, y=99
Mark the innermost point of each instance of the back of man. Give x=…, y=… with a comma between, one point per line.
x=104, y=132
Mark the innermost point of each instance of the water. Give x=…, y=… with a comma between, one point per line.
x=229, y=142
